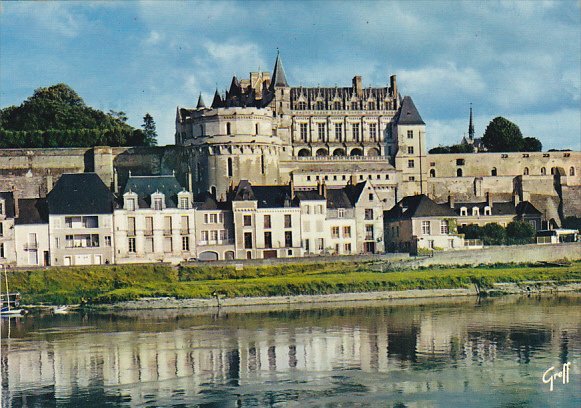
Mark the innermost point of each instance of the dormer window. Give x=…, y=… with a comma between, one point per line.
x=464, y=211
x=475, y=211
x=337, y=105
x=158, y=201
x=487, y=210
x=130, y=201
x=302, y=105
x=184, y=200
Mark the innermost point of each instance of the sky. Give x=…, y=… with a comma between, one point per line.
x=516, y=59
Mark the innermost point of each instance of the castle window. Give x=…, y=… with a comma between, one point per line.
x=308, y=178
x=543, y=171
x=343, y=177
x=355, y=131
x=228, y=128
x=302, y=105
x=256, y=128
x=371, y=106
x=387, y=176
x=304, y=131
x=411, y=164
x=553, y=171
x=432, y=173
x=230, y=167
x=459, y=173
x=321, y=131
x=572, y=171
x=464, y=211
x=475, y=211
x=373, y=131
x=410, y=134
x=354, y=106
x=410, y=150
x=412, y=178
x=262, y=164
x=526, y=171
x=337, y=105
x=320, y=105
x=339, y=132
x=459, y=162
x=493, y=171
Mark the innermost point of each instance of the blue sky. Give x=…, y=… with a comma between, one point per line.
x=517, y=59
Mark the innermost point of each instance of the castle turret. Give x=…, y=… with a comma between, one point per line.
x=201, y=104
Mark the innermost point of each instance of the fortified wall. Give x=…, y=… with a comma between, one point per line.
x=33, y=172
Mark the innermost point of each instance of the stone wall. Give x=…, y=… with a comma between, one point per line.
x=506, y=254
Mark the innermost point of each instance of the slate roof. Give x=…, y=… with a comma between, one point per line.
x=80, y=193
x=206, y=201
x=145, y=186
x=498, y=208
x=8, y=198
x=338, y=198
x=418, y=206
x=266, y=196
x=32, y=211
x=308, y=195
x=526, y=208
x=201, y=104
x=278, y=75
x=408, y=113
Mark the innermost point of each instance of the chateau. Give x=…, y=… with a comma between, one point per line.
x=271, y=170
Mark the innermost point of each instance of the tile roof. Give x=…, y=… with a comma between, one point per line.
x=80, y=193
x=32, y=211
x=145, y=186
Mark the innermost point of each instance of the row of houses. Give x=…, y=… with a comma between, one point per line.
x=154, y=218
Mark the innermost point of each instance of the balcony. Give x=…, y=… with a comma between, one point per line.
x=31, y=246
x=341, y=158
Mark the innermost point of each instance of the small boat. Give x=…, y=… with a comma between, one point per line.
x=9, y=312
x=10, y=305
x=61, y=310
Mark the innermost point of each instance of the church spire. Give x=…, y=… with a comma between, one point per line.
x=217, y=102
x=278, y=75
x=201, y=104
x=471, y=125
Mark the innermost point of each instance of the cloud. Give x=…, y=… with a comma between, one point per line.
x=154, y=38
x=48, y=17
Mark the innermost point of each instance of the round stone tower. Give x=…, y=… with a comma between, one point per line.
x=232, y=144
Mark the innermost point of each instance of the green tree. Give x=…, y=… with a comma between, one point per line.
x=471, y=231
x=532, y=144
x=493, y=234
x=572, y=222
x=520, y=232
x=149, y=132
x=502, y=135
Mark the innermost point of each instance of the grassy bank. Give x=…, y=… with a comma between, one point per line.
x=106, y=284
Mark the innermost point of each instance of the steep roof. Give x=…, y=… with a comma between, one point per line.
x=354, y=191
x=278, y=75
x=408, y=113
x=80, y=193
x=338, y=198
x=265, y=196
x=308, y=195
x=8, y=198
x=201, y=104
x=526, y=208
x=32, y=211
x=145, y=186
x=498, y=208
x=418, y=206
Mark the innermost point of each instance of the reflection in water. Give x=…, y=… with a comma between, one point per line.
x=442, y=352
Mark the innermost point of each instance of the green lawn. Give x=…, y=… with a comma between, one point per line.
x=107, y=284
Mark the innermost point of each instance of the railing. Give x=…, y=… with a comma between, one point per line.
x=473, y=242
x=341, y=158
x=30, y=246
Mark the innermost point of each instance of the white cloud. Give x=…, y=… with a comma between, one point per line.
x=442, y=80
x=154, y=38
x=52, y=17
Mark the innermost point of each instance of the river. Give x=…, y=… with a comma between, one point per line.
x=420, y=353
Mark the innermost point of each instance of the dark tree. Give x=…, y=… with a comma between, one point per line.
x=149, y=132
x=502, y=135
x=520, y=232
x=532, y=144
x=471, y=231
x=493, y=234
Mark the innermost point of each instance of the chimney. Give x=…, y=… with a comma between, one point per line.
x=190, y=189
x=320, y=188
x=292, y=188
x=49, y=183
x=16, y=204
x=393, y=86
x=451, y=201
x=357, y=85
x=115, y=181
x=515, y=198
x=324, y=190
x=489, y=199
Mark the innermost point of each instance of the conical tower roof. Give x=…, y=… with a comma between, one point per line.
x=217, y=102
x=201, y=104
x=278, y=75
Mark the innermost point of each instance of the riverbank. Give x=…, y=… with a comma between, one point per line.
x=205, y=285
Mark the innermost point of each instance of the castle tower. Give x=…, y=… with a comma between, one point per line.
x=408, y=146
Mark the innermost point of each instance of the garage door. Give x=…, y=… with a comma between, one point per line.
x=208, y=256
x=270, y=254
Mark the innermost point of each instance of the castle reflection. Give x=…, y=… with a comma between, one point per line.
x=167, y=354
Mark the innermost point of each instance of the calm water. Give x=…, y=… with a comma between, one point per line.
x=491, y=353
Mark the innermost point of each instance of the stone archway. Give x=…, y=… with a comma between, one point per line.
x=356, y=152
x=304, y=153
x=339, y=152
x=208, y=256
x=322, y=152
x=373, y=152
